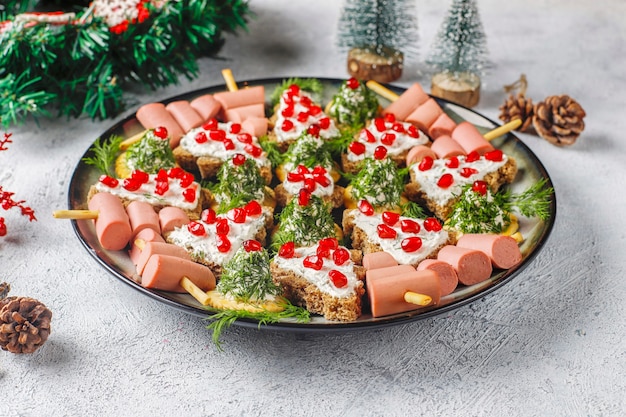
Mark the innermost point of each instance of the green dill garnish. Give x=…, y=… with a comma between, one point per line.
x=272, y=150
x=246, y=277
x=379, y=182
x=105, y=152
x=238, y=185
x=150, y=154
x=311, y=85
x=309, y=151
x=353, y=106
x=532, y=202
x=222, y=319
x=339, y=145
x=413, y=210
x=304, y=225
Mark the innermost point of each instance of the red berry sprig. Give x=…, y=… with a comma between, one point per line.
x=6, y=198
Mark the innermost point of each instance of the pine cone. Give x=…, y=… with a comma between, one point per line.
x=518, y=107
x=559, y=119
x=24, y=324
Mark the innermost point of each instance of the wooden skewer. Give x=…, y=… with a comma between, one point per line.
x=230, y=80
x=75, y=214
x=417, y=299
x=127, y=143
x=492, y=134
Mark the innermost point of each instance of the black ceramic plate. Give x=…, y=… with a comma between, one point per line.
x=534, y=230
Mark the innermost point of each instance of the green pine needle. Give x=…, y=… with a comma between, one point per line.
x=310, y=85
x=104, y=154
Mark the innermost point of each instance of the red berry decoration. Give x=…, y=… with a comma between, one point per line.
x=303, y=116
x=201, y=137
x=253, y=150
x=389, y=117
x=365, y=207
x=468, y=172
x=323, y=252
x=431, y=224
x=329, y=243
x=472, y=156
x=411, y=244
x=304, y=196
x=287, y=250
x=109, y=181
x=386, y=232
x=244, y=138
x=409, y=226
x=131, y=184
x=315, y=110
x=286, y=126
x=221, y=226
x=398, y=127
x=238, y=215
x=341, y=256
x=253, y=208
x=496, y=155
x=229, y=145
x=426, y=163
x=235, y=128
x=196, y=229
x=313, y=262
x=217, y=135
x=310, y=185
x=368, y=136
x=293, y=90
x=252, y=245
x=324, y=122
x=353, y=83
x=3, y=227
x=338, y=279
x=452, y=162
x=445, y=181
x=211, y=124
x=160, y=132
x=390, y=218
x=413, y=132
x=175, y=172
x=288, y=111
x=388, y=138
x=380, y=125
x=480, y=187
x=222, y=243
x=380, y=153
x=314, y=130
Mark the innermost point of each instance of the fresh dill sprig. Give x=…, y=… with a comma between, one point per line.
x=413, y=210
x=311, y=85
x=304, y=225
x=378, y=181
x=309, y=151
x=271, y=149
x=104, y=154
x=532, y=202
x=223, y=319
x=339, y=144
x=247, y=277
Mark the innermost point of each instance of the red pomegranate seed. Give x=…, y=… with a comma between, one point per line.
x=338, y=279
x=109, y=181
x=221, y=226
x=413, y=132
x=390, y=117
x=386, y=232
x=321, y=179
x=238, y=215
x=445, y=181
x=286, y=126
x=431, y=224
x=131, y=184
x=409, y=226
x=329, y=242
x=313, y=262
x=495, y=155
x=426, y=163
x=380, y=125
x=390, y=218
x=388, y=138
x=452, y=162
x=175, y=172
x=315, y=110
x=295, y=177
x=398, y=127
x=293, y=90
x=480, y=187
x=196, y=229
x=310, y=185
x=189, y=195
x=411, y=244
x=208, y=216
x=468, y=172
x=302, y=169
x=324, y=123
x=380, y=153
x=161, y=187
x=235, y=128
x=211, y=124
x=288, y=111
x=253, y=208
x=253, y=150
x=229, y=145
x=303, y=116
x=365, y=207
x=222, y=243
x=368, y=136
x=239, y=159
x=201, y=137
x=323, y=252
x=305, y=101
x=160, y=132
x=304, y=197
x=341, y=256
x=353, y=83
x=252, y=245
x=472, y=157
x=314, y=130
x=217, y=135
x=244, y=137
x=287, y=250
x=162, y=175
x=319, y=170
x=357, y=148
x=187, y=179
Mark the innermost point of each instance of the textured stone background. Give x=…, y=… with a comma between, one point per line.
x=552, y=342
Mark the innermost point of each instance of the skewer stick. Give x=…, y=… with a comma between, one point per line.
x=417, y=299
x=492, y=134
x=125, y=144
x=75, y=214
x=193, y=290
x=230, y=80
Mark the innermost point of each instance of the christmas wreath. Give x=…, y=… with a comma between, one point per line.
x=80, y=59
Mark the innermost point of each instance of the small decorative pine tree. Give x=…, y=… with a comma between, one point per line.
x=460, y=45
x=382, y=32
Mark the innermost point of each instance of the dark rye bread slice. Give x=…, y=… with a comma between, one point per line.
x=303, y=293
x=504, y=175
x=208, y=166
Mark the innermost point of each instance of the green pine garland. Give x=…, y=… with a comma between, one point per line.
x=83, y=67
